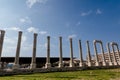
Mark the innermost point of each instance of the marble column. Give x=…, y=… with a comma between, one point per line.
x=81, y=64
x=16, y=62
x=96, y=55
x=102, y=50
x=88, y=54
x=71, y=54
x=108, y=49
x=33, y=62
x=113, y=50
x=60, y=47
x=1, y=44
x=48, y=64
x=1, y=41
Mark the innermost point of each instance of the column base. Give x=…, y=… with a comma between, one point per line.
x=48, y=65
x=104, y=64
x=71, y=65
x=97, y=64
x=16, y=66
x=32, y=66
x=89, y=64
x=81, y=64
x=110, y=63
x=60, y=65
x=115, y=63
x=119, y=62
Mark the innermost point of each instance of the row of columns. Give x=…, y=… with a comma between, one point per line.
x=48, y=64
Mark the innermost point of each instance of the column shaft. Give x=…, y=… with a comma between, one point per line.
x=114, y=57
x=81, y=64
x=71, y=54
x=108, y=49
x=60, y=47
x=1, y=42
x=33, y=62
x=16, y=62
x=48, y=64
x=96, y=55
x=102, y=50
x=89, y=56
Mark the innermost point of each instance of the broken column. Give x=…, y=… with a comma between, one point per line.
x=71, y=54
x=60, y=47
x=1, y=44
x=81, y=64
x=33, y=62
x=48, y=64
x=108, y=49
x=88, y=54
x=16, y=62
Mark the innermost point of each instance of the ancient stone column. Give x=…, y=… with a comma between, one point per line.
x=16, y=62
x=88, y=54
x=108, y=49
x=48, y=64
x=102, y=50
x=71, y=54
x=96, y=55
x=1, y=41
x=81, y=64
x=113, y=50
x=33, y=62
x=60, y=46
x=1, y=44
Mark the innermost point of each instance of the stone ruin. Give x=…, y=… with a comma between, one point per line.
x=103, y=60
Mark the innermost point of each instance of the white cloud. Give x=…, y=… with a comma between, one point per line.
x=13, y=29
x=30, y=3
x=33, y=30
x=10, y=40
x=25, y=20
x=98, y=11
x=78, y=23
x=86, y=13
x=24, y=38
x=43, y=32
x=72, y=36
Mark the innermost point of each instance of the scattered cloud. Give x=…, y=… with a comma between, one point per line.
x=98, y=11
x=13, y=29
x=25, y=20
x=24, y=39
x=72, y=36
x=78, y=23
x=33, y=30
x=43, y=32
x=30, y=3
x=86, y=13
x=10, y=40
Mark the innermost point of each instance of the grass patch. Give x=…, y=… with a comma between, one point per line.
x=101, y=74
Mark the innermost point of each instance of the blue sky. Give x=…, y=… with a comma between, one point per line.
x=79, y=19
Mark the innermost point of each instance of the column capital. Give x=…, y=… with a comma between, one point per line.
x=48, y=37
x=35, y=34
